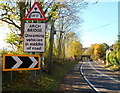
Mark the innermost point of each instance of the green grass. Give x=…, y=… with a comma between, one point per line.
x=43, y=82
x=113, y=67
x=109, y=65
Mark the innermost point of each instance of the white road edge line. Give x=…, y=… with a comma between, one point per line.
x=103, y=74
x=88, y=81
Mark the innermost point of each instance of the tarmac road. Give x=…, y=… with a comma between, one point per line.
x=100, y=78
x=73, y=82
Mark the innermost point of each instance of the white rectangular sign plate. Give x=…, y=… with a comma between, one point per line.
x=34, y=37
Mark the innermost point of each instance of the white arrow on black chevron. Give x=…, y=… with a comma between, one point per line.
x=19, y=62
x=34, y=62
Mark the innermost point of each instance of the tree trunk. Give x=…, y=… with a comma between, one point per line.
x=22, y=15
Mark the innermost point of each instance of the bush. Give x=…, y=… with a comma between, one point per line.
x=113, y=58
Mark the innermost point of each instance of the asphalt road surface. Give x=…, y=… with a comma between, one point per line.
x=73, y=82
x=100, y=78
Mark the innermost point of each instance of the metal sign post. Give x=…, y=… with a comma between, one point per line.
x=11, y=76
x=34, y=34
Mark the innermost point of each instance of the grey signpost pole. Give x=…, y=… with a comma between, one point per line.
x=11, y=76
x=36, y=14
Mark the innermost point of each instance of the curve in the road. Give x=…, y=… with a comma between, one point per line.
x=99, y=73
x=91, y=85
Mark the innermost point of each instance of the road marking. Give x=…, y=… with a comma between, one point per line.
x=88, y=81
x=103, y=74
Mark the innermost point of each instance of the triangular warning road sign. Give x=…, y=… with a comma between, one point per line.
x=35, y=13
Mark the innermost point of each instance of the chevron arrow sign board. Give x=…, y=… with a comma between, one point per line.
x=20, y=62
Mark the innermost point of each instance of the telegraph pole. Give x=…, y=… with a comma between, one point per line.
x=51, y=45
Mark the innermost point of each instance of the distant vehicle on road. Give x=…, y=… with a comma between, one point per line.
x=90, y=59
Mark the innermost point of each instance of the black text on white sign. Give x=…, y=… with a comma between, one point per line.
x=34, y=37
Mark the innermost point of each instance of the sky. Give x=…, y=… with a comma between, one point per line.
x=4, y=30
x=100, y=24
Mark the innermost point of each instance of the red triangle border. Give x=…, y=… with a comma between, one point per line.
x=44, y=18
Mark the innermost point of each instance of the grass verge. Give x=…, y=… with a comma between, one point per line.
x=113, y=67
x=41, y=82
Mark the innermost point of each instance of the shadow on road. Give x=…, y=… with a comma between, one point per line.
x=73, y=81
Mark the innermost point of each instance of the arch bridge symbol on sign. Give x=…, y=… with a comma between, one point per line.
x=35, y=13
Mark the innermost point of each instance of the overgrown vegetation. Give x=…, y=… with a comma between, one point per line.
x=42, y=82
x=97, y=51
x=66, y=43
x=109, y=55
x=62, y=14
x=113, y=57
